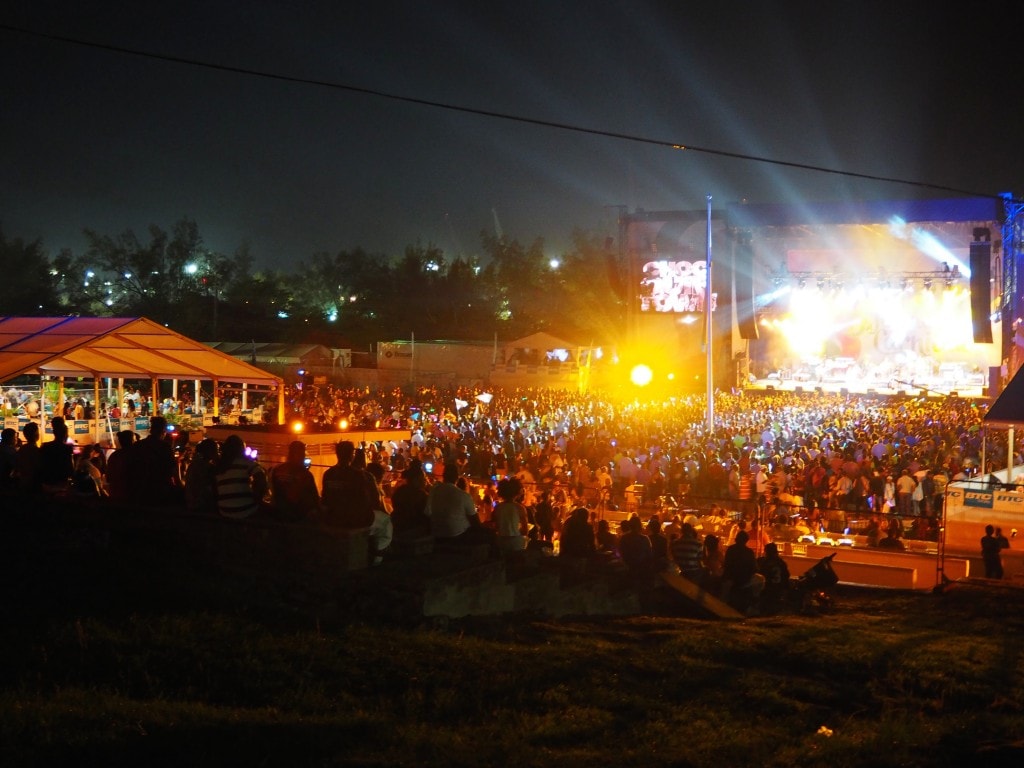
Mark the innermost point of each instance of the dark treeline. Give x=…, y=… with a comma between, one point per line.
x=349, y=298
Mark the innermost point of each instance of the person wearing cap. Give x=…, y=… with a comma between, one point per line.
x=293, y=492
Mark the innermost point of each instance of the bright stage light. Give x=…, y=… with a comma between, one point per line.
x=297, y=426
x=343, y=425
x=641, y=375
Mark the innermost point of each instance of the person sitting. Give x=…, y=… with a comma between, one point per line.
x=8, y=458
x=607, y=540
x=687, y=552
x=635, y=548
x=510, y=516
x=293, y=493
x=408, y=502
x=26, y=463
x=349, y=493
x=241, y=482
x=154, y=477
x=892, y=540
x=577, y=537
x=57, y=460
x=453, y=513
x=713, y=560
x=776, y=578
x=200, y=477
x=87, y=482
x=117, y=468
x=382, y=530
x=544, y=517
x=741, y=583
x=659, y=543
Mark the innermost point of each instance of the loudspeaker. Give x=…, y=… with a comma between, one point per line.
x=995, y=380
x=981, y=286
x=743, y=280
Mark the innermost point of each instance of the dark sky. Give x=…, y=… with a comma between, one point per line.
x=95, y=138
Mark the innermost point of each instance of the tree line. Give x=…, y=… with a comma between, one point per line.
x=350, y=298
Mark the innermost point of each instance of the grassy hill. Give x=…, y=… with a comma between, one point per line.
x=134, y=651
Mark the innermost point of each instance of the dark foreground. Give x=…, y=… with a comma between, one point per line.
x=144, y=655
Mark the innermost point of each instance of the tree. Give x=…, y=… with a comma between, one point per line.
x=518, y=284
x=28, y=285
x=149, y=279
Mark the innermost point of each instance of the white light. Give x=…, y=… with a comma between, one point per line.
x=554, y=263
x=191, y=269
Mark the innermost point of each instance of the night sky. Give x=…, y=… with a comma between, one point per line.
x=92, y=137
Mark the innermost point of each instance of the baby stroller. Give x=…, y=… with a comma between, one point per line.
x=812, y=590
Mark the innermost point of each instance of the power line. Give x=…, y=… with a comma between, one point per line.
x=676, y=145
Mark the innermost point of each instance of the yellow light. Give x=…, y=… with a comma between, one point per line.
x=343, y=425
x=641, y=375
x=297, y=426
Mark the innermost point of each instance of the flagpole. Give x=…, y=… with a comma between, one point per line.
x=707, y=328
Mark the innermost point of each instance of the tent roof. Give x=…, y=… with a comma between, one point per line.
x=1007, y=410
x=115, y=347
x=541, y=340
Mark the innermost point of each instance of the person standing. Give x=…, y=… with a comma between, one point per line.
x=905, y=485
x=991, y=554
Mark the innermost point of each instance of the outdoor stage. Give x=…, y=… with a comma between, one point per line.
x=866, y=387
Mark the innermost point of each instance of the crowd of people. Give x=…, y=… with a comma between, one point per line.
x=530, y=467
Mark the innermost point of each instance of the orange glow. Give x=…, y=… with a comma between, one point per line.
x=297, y=426
x=343, y=425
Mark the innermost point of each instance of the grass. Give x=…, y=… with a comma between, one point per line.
x=132, y=655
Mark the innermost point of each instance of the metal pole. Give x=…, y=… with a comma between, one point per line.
x=707, y=329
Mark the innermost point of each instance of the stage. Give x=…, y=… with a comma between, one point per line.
x=867, y=388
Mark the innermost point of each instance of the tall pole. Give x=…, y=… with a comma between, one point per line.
x=707, y=330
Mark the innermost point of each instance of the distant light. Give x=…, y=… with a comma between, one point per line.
x=554, y=263
x=127, y=275
x=191, y=269
x=298, y=426
x=282, y=315
x=641, y=375
x=343, y=425
x=332, y=317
